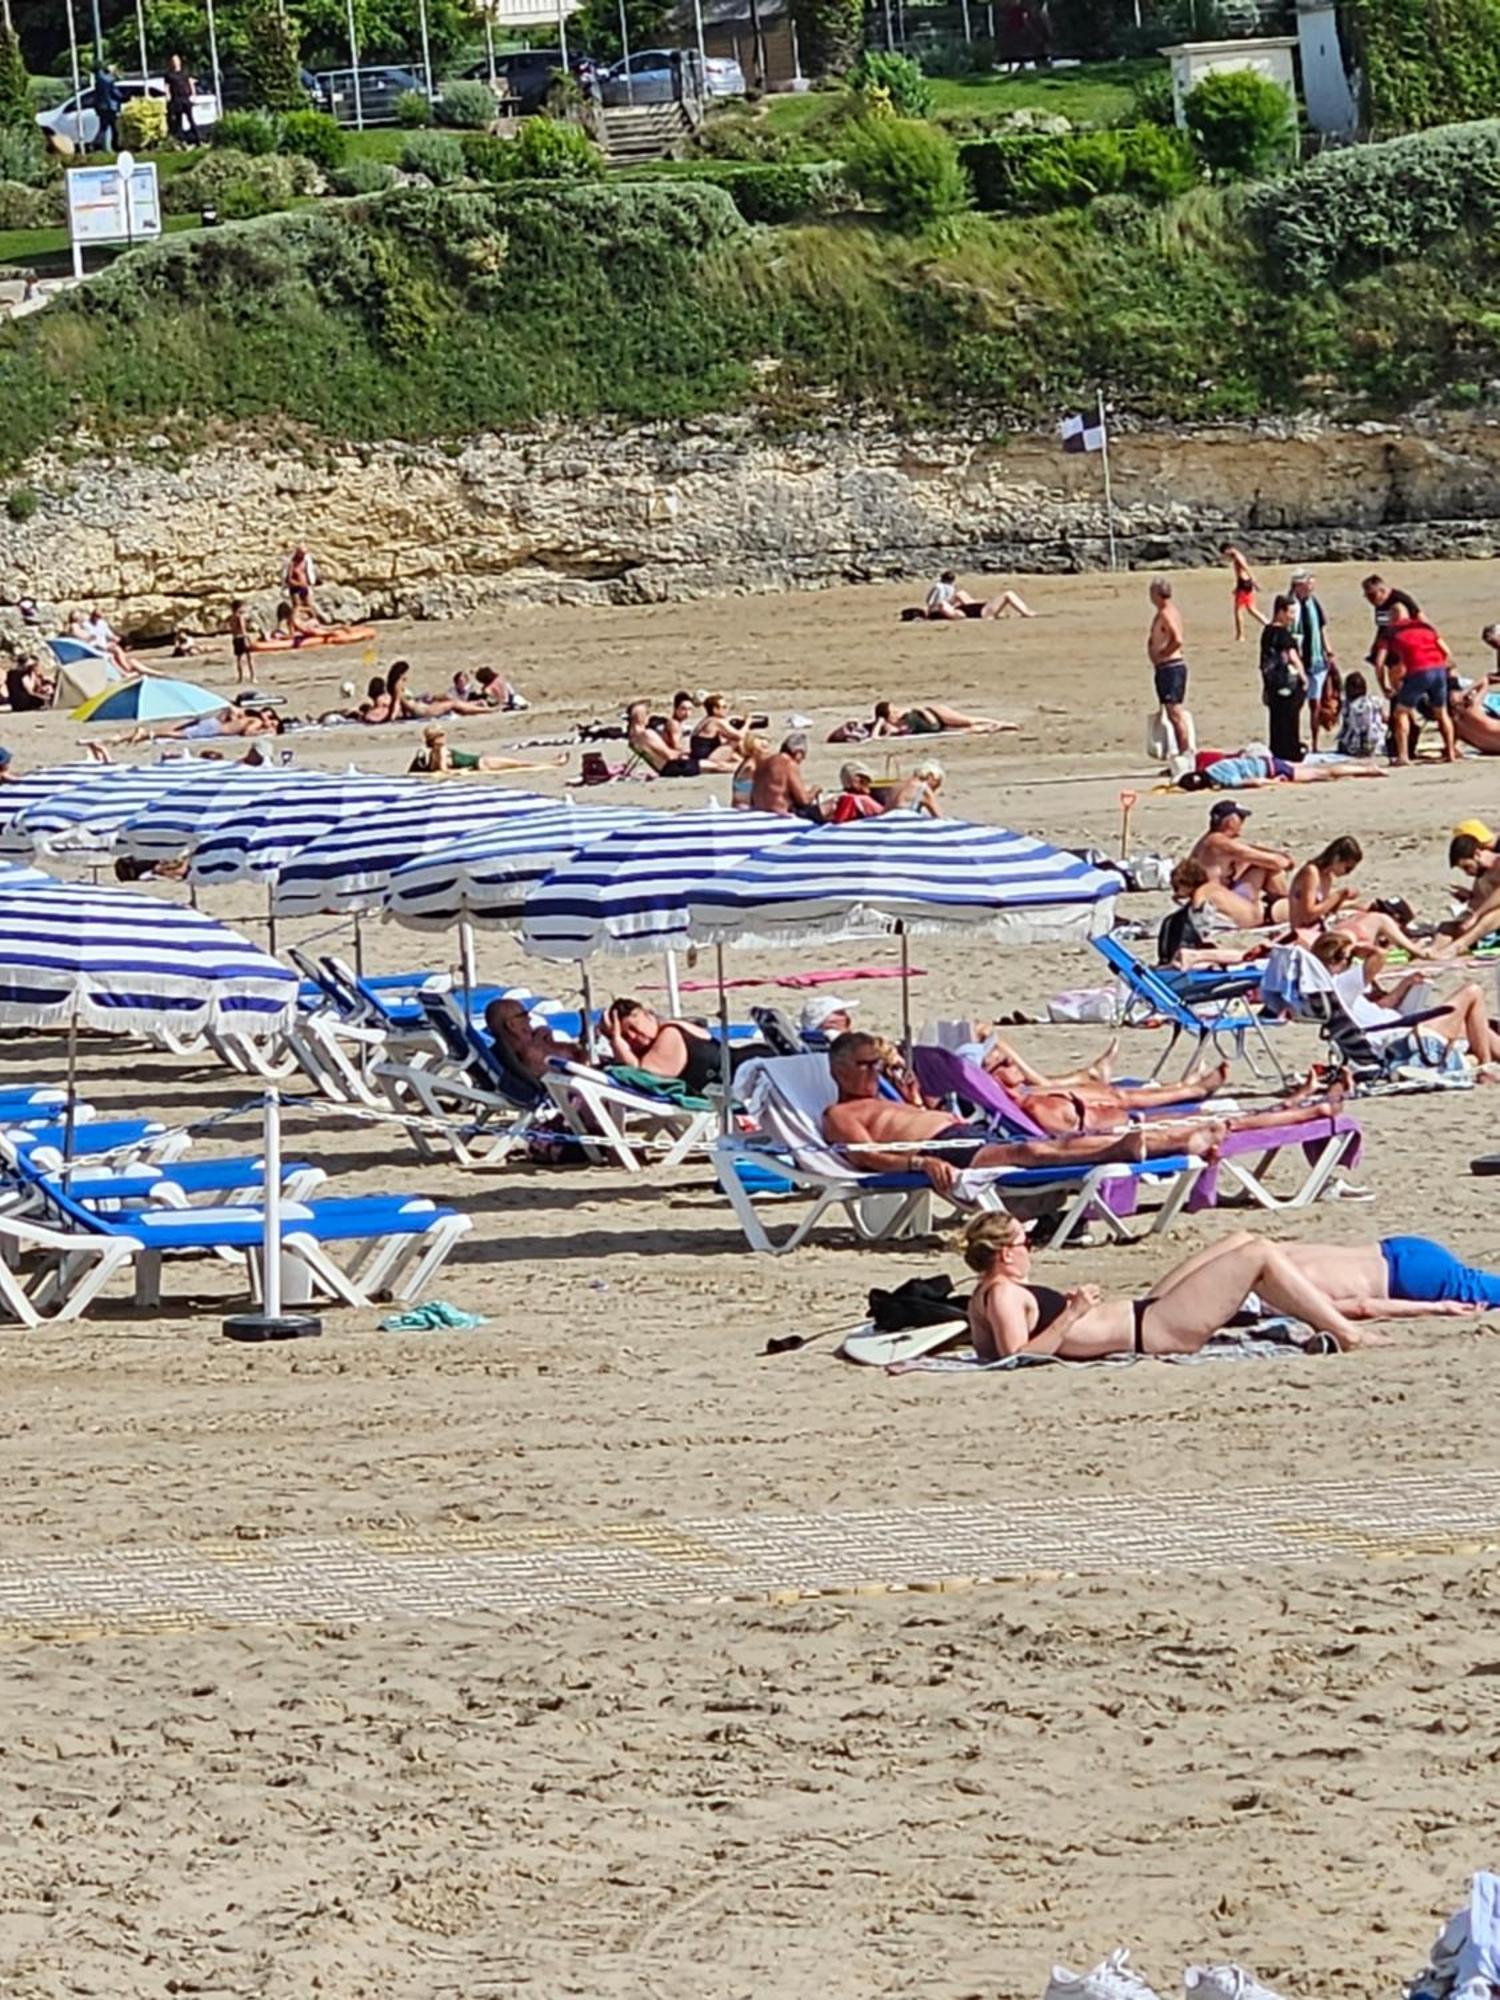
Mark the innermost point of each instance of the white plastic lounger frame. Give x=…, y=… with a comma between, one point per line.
x=599, y=1112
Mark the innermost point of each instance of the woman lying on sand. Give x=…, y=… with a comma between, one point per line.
x=1329, y=1286
x=437, y=756
x=1253, y=768
x=931, y=719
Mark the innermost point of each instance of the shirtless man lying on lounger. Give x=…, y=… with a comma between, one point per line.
x=1256, y=877
x=869, y=1127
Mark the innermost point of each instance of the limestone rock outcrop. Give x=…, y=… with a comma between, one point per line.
x=721, y=505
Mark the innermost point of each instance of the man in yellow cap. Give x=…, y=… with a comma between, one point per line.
x=1478, y=859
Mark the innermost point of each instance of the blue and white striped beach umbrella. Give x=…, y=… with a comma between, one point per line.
x=487, y=878
x=167, y=828
x=39, y=787
x=125, y=962
x=350, y=867
x=631, y=891
x=906, y=872
x=257, y=837
x=85, y=816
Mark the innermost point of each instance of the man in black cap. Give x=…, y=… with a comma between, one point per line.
x=1256, y=876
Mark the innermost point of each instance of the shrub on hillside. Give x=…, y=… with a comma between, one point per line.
x=413, y=110
x=1152, y=101
x=1031, y=173
x=466, y=104
x=487, y=157
x=880, y=74
x=907, y=168
x=1367, y=206
x=741, y=135
x=236, y=184
x=23, y=207
x=253, y=132
x=23, y=155
x=315, y=136
x=143, y=124
x=951, y=56
x=1241, y=124
x=438, y=155
x=1159, y=164
x=546, y=150
x=362, y=176
x=773, y=193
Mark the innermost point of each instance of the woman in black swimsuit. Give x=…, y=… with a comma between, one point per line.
x=679, y=1049
x=1180, y=1312
x=715, y=744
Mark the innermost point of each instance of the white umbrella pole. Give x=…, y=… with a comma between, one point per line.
x=71, y=1113
x=271, y=1322
x=905, y=994
x=588, y=1014
x=140, y=31
x=726, y=1067
x=359, y=102
x=271, y=918
x=466, y=959
x=674, y=986
x=77, y=132
x=271, y=1213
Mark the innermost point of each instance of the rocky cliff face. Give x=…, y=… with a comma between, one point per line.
x=721, y=506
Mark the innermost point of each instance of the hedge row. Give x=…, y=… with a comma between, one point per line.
x=1368, y=206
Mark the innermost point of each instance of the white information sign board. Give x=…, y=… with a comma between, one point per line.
x=114, y=204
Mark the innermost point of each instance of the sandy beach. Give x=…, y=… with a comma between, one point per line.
x=1280, y=1754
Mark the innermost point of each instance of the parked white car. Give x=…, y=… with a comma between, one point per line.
x=77, y=120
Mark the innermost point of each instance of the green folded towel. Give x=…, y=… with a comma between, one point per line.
x=430, y=1318
x=670, y=1090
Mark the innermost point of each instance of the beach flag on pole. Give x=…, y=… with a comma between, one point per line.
x=1081, y=433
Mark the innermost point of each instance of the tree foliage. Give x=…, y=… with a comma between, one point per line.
x=1428, y=62
x=828, y=34
x=16, y=107
x=270, y=60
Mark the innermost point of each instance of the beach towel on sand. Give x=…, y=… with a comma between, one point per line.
x=1269, y=1338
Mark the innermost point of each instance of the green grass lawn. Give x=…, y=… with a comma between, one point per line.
x=384, y=142
x=46, y=251
x=1088, y=94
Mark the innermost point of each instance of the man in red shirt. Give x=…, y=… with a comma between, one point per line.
x=1421, y=653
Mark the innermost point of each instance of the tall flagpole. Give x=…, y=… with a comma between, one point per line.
x=1109, y=498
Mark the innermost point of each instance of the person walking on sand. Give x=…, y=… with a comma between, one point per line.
x=1244, y=588
x=1164, y=649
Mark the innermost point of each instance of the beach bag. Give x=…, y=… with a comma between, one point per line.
x=1087, y=1003
x=596, y=769
x=1161, y=740
x=919, y=1302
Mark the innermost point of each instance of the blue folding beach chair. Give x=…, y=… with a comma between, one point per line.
x=1232, y=1021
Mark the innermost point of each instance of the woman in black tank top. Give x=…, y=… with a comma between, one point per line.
x=668, y=1049
x=1183, y=1310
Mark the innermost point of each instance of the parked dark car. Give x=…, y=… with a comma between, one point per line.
x=524, y=76
x=379, y=87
